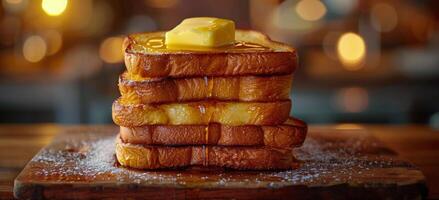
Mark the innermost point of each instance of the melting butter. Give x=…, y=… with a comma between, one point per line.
x=202, y=32
x=157, y=44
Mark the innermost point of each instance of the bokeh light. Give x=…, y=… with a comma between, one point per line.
x=372, y=45
x=54, y=41
x=81, y=61
x=54, y=7
x=310, y=10
x=383, y=17
x=34, y=48
x=348, y=126
x=329, y=44
x=352, y=99
x=91, y=18
x=14, y=5
x=284, y=17
x=83, y=14
x=101, y=18
x=14, y=1
x=111, y=50
x=351, y=50
x=341, y=7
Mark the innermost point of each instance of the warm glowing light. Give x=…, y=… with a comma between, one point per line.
x=384, y=17
x=81, y=61
x=14, y=1
x=90, y=18
x=310, y=10
x=351, y=50
x=348, y=127
x=329, y=42
x=353, y=99
x=284, y=17
x=54, y=41
x=54, y=7
x=341, y=7
x=14, y=6
x=34, y=48
x=111, y=50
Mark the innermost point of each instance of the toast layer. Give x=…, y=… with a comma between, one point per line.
x=288, y=135
x=201, y=113
x=241, y=88
x=267, y=58
x=241, y=158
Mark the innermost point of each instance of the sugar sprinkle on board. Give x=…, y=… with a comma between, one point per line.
x=329, y=157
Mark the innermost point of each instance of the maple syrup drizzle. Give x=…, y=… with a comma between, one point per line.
x=206, y=134
x=210, y=87
x=151, y=131
x=205, y=155
x=158, y=44
x=206, y=149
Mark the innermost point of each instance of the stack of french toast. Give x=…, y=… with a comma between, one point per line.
x=205, y=94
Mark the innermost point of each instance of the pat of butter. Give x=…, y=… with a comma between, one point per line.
x=202, y=32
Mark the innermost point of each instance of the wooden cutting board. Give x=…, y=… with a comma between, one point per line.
x=337, y=164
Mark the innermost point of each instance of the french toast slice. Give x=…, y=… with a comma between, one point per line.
x=241, y=158
x=253, y=54
x=290, y=134
x=126, y=114
x=238, y=88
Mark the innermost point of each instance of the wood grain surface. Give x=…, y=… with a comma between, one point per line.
x=18, y=143
x=337, y=163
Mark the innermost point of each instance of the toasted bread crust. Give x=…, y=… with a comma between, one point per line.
x=276, y=59
x=241, y=158
x=288, y=135
x=201, y=113
x=241, y=88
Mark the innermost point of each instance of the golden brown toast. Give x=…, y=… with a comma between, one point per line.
x=288, y=135
x=238, y=88
x=253, y=54
x=159, y=157
x=201, y=113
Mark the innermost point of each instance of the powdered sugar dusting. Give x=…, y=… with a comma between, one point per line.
x=91, y=159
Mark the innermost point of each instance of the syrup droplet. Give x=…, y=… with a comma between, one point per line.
x=158, y=44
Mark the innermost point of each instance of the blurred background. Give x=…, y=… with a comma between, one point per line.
x=363, y=61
